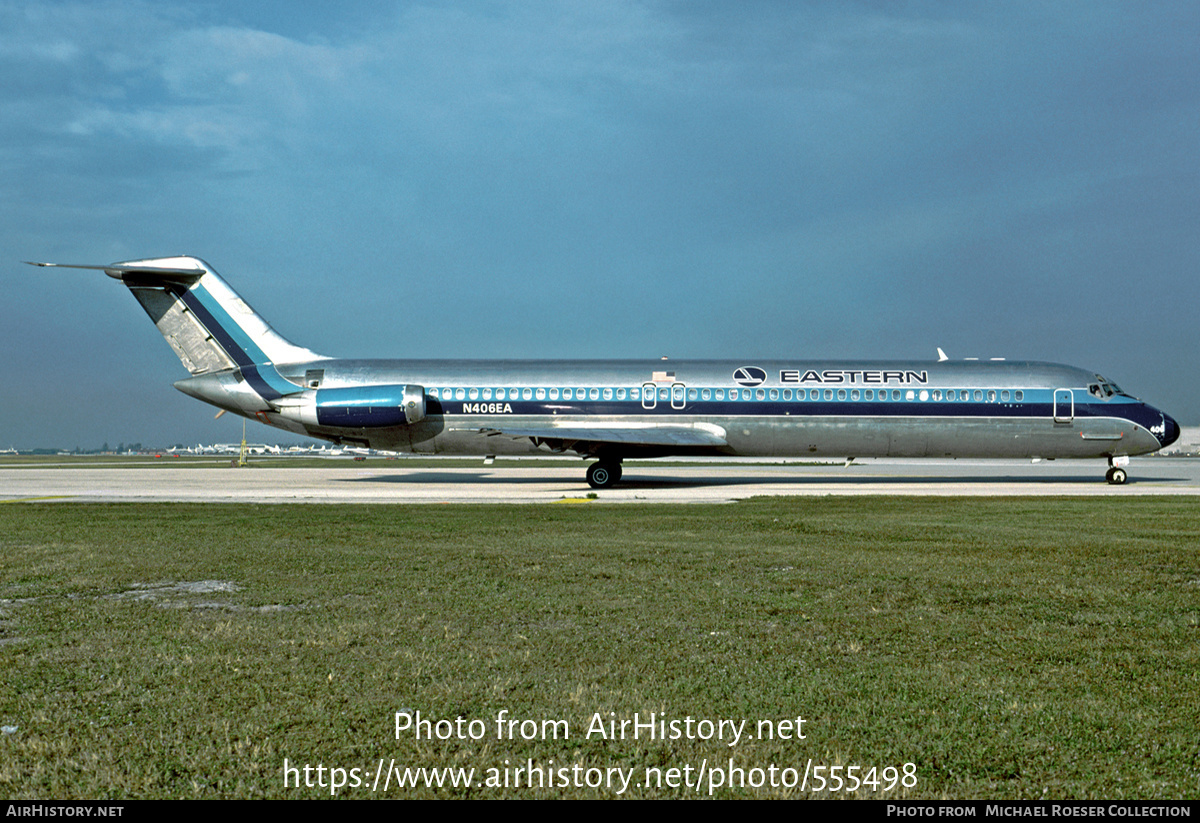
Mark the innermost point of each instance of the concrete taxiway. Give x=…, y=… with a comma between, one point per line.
x=554, y=481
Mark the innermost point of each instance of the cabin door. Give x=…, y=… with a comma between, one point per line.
x=1064, y=406
x=678, y=396
x=649, y=395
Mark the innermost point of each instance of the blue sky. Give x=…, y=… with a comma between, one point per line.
x=613, y=179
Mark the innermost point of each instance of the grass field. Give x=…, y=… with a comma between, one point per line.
x=1007, y=648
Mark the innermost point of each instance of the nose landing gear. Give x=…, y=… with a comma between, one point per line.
x=1116, y=475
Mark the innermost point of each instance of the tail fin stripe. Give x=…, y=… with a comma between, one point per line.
x=259, y=382
x=254, y=363
x=211, y=315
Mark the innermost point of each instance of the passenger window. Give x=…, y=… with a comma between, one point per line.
x=473, y=394
x=909, y=395
x=594, y=394
x=828, y=394
x=978, y=395
x=761, y=394
x=705, y=394
x=787, y=394
x=620, y=394
x=773, y=394
x=991, y=396
x=541, y=394
x=554, y=394
x=841, y=394
x=635, y=394
x=1019, y=395
x=719, y=394
x=527, y=394
x=608, y=394
x=1004, y=396
x=693, y=394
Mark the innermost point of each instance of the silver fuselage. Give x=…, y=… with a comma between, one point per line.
x=778, y=407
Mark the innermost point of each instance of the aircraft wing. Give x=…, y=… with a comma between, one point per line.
x=699, y=434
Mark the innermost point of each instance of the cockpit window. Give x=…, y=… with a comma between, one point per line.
x=1103, y=389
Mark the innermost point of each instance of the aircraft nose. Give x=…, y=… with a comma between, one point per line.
x=1170, y=431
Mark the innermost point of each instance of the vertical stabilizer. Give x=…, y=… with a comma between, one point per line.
x=208, y=325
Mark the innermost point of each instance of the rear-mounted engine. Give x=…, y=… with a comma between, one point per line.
x=359, y=407
x=370, y=406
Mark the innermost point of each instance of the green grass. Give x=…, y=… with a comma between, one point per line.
x=1010, y=648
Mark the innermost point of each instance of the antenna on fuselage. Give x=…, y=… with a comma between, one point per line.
x=942, y=358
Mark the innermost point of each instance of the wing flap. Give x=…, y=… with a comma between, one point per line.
x=698, y=435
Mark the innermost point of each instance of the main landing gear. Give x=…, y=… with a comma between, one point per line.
x=604, y=475
x=1116, y=475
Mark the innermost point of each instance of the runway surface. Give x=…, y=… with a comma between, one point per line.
x=563, y=481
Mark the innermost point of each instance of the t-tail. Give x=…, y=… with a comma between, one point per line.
x=212, y=330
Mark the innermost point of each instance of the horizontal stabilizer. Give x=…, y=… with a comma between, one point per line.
x=121, y=270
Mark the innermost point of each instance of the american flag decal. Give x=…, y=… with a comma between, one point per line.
x=663, y=377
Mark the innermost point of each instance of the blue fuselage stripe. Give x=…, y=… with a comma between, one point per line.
x=786, y=410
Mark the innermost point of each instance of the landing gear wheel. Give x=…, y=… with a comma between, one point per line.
x=1116, y=476
x=603, y=475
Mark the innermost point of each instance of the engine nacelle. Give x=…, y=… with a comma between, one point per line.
x=370, y=406
x=357, y=407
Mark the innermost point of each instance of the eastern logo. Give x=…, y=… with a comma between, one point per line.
x=749, y=376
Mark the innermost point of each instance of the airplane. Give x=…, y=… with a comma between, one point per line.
x=612, y=410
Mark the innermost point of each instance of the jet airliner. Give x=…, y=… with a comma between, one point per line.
x=611, y=410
